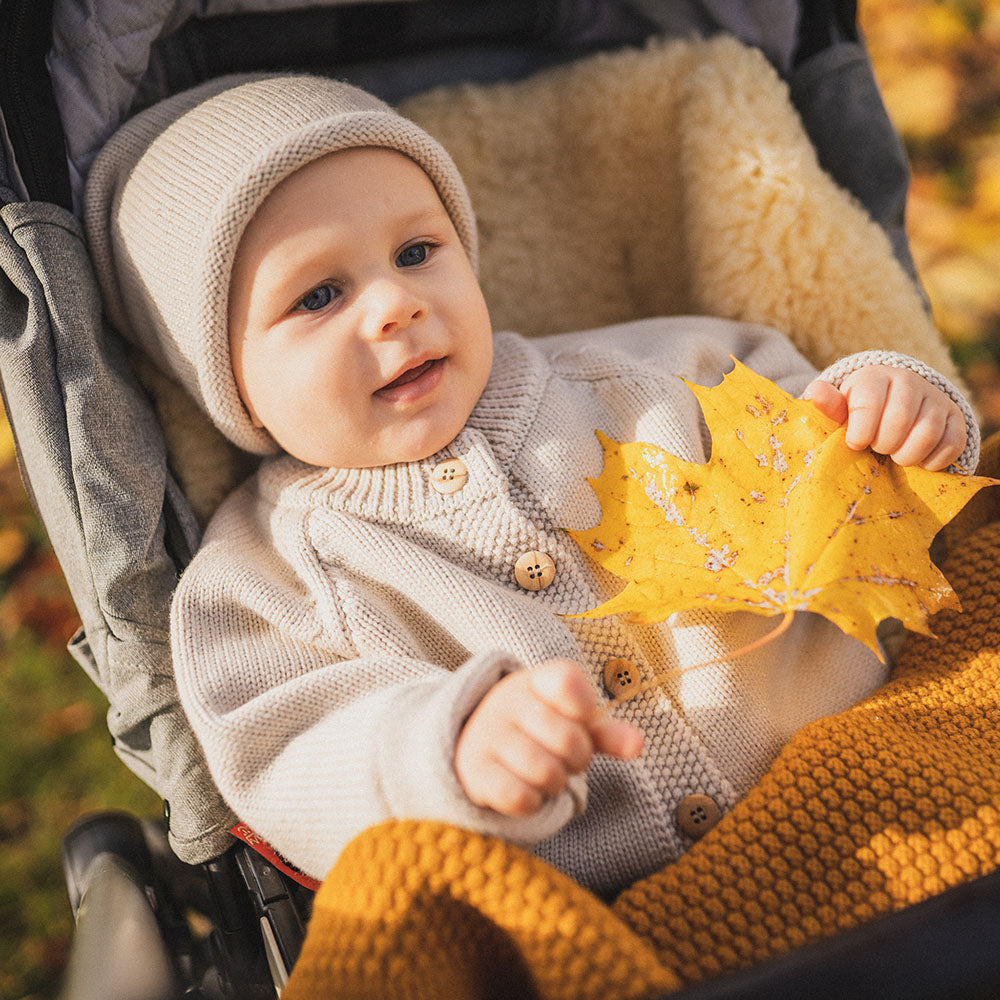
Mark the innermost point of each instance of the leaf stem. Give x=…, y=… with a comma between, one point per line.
x=750, y=647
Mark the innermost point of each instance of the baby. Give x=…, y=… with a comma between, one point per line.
x=374, y=625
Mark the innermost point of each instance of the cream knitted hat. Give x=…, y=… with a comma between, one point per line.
x=171, y=192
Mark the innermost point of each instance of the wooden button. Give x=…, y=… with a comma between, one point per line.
x=534, y=570
x=621, y=679
x=696, y=815
x=450, y=476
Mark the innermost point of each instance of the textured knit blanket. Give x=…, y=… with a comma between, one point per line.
x=862, y=814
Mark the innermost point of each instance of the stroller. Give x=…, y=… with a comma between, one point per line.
x=124, y=517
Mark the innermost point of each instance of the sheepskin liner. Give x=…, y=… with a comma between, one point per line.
x=675, y=179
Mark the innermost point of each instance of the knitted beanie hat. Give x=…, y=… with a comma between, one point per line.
x=172, y=191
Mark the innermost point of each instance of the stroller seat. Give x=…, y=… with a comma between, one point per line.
x=567, y=167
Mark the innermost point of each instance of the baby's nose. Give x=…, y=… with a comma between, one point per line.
x=392, y=308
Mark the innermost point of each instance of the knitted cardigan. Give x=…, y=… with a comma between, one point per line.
x=338, y=626
x=862, y=814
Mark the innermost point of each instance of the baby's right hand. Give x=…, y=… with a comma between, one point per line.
x=530, y=732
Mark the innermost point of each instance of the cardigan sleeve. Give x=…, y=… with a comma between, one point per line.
x=308, y=742
x=769, y=353
x=699, y=346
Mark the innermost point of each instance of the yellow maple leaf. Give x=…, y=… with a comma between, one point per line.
x=784, y=517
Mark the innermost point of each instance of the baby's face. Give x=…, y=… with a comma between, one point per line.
x=358, y=332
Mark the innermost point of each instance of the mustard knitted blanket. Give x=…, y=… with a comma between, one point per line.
x=862, y=814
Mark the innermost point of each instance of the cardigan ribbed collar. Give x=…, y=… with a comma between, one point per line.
x=402, y=493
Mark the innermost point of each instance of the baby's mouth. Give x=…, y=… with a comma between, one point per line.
x=411, y=375
x=411, y=381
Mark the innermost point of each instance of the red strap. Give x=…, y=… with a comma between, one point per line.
x=265, y=850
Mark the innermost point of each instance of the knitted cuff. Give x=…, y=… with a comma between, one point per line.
x=416, y=761
x=839, y=370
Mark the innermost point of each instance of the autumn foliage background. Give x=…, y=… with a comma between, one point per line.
x=938, y=62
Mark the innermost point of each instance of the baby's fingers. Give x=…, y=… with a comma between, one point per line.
x=867, y=399
x=616, y=737
x=829, y=400
x=532, y=763
x=911, y=445
x=566, y=739
x=898, y=413
x=935, y=443
x=562, y=685
x=564, y=689
x=493, y=785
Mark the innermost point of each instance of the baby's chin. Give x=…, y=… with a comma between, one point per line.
x=424, y=446
x=419, y=439
x=420, y=454
x=376, y=458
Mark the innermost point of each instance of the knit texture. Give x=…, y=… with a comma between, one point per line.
x=862, y=814
x=423, y=910
x=338, y=626
x=173, y=190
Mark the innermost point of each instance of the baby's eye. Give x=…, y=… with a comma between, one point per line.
x=318, y=298
x=413, y=255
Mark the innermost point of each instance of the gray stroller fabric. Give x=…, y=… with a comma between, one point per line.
x=838, y=98
x=89, y=443
x=110, y=57
x=106, y=501
x=100, y=54
x=101, y=50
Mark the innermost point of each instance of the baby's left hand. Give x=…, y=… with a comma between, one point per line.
x=895, y=412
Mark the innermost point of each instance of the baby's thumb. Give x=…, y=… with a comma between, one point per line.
x=830, y=401
x=615, y=737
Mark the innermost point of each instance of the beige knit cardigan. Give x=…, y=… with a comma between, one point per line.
x=338, y=626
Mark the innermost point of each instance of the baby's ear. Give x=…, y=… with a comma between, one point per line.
x=828, y=399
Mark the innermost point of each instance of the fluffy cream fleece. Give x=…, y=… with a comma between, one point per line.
x=668, y=180
x=674, y=179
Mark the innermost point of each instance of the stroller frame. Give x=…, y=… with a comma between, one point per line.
x=118, y=869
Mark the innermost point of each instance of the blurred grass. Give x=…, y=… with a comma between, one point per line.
x=57, y=762
x=57, y=765
x=937, y=62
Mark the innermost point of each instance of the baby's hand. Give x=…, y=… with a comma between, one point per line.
x=896, y=412
x=530, y=732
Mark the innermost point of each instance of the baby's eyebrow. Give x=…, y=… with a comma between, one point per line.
x=425, y=215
